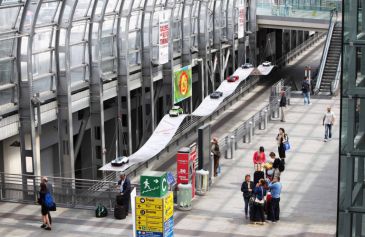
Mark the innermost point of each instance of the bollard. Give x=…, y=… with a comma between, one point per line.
x=235, y=140
x=232, y=148
x=250, y=132
x=253, y=125
x=265, y=118
x=261, y=125
x=226, y=145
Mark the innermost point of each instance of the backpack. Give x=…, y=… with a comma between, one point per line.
x=281, y=165
x=101, y=211
x=305, y=87
x=48, y=200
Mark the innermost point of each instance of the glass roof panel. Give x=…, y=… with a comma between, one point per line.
x=47, y=12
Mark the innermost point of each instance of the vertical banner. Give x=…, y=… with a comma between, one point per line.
x=241, y=21
x=163, y=44
x=183, y=82
x=193, y=161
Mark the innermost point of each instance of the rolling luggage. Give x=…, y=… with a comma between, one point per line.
x=119, y=212
x=119, y=199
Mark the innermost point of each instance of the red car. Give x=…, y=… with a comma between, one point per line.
x=232, y=78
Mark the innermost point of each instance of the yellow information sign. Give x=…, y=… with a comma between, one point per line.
x=168, y=206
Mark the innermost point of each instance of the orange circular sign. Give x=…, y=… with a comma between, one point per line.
x=184, y=83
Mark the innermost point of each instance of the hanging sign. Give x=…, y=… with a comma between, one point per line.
x=241, y=21
x=163, y=44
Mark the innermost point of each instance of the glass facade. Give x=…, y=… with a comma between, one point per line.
x=352, y=150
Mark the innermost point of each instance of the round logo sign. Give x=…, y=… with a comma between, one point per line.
x=184, y=83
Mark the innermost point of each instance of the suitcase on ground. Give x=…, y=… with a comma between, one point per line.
x=119, y=199
x=119, y=212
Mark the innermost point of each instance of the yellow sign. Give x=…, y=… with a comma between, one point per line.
x=151, y=213
x=168, y=206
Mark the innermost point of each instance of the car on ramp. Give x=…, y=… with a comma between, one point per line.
x=175, y=111
x=216, y=94
x=232, y=78
x=246, y=66
x=120, y=161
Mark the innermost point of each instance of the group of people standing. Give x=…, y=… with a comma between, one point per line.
x=262, y=194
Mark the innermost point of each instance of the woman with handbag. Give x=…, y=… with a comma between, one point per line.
x=260, y=192
x=281, y=138
x=246, y=189
x=44, y=210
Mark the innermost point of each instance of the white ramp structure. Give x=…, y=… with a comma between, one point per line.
x=168, y=126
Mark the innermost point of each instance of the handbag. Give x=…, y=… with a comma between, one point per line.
x=259, y=202
x=53, y=207
x=286, y=144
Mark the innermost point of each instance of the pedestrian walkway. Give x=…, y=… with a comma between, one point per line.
x=308, y=201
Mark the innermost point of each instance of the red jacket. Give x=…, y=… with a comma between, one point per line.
x=259, y=158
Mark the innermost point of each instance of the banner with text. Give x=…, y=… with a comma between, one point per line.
x=163, y=45
x=241, y=21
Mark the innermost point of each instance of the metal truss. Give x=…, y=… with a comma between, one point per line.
x=56, y=55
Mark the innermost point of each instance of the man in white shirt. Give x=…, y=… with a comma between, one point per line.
x=328, y=121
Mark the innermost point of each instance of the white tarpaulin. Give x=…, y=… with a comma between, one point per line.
x=160, y=138
x=265, y=70
x=208, y=105
x=168, y=126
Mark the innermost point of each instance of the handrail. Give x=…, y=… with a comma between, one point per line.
x=326, y=49
x=298, y=49
x=335, y=83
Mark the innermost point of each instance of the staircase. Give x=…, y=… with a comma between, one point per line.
x=332, y=60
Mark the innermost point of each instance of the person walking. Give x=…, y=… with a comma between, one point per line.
x=50, y=190
x=44, y=209
x=125, y=190
x=306, y=90
x=281, y=138
x=282, y=105
x=216, y=155
x=275, y=187
x=259, y=158
x=246, y=189
x=260, y=192
x=328, y=121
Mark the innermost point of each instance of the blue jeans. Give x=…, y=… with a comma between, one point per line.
x=307, y=97
x=328, y=131
x=247, y=201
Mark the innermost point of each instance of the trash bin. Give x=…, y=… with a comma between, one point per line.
x=184, y=196
x=201, y=183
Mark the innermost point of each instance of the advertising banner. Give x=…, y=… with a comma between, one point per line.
x=241, y=21
x=182, y=160
x=183, y=82
x=163, y=45
x=193, y=161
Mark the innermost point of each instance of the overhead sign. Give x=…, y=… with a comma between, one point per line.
x=183, y=81
x=163, y=45
x=241, y=21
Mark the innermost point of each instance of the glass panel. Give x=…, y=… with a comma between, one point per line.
x=8, y=17
x=47, y=13
x=42, y=85
x=6, y=69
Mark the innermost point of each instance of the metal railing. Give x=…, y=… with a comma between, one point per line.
x=282, y=61
x=67, y=192
x=326, y=49
x=259, y=120
x=335, y=84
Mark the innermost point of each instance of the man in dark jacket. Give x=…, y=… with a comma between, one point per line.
x=246, y=189
x=282, y=105
x=306, y=89
x=125, y=190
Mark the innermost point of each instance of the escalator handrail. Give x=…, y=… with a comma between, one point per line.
x=326, y=48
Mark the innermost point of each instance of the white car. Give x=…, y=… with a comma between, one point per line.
x=120, y=161
x=175, y=111
x=266, y=64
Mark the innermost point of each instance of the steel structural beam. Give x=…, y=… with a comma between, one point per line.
x=66, y=154
x=96, y=88
x=148, y=93
x=186, y=29
x=252, y=28
x=204, y=44
x=218, y=14
x=124, y=95
x=231, y=31
x=168, y=68
x=29, y=139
